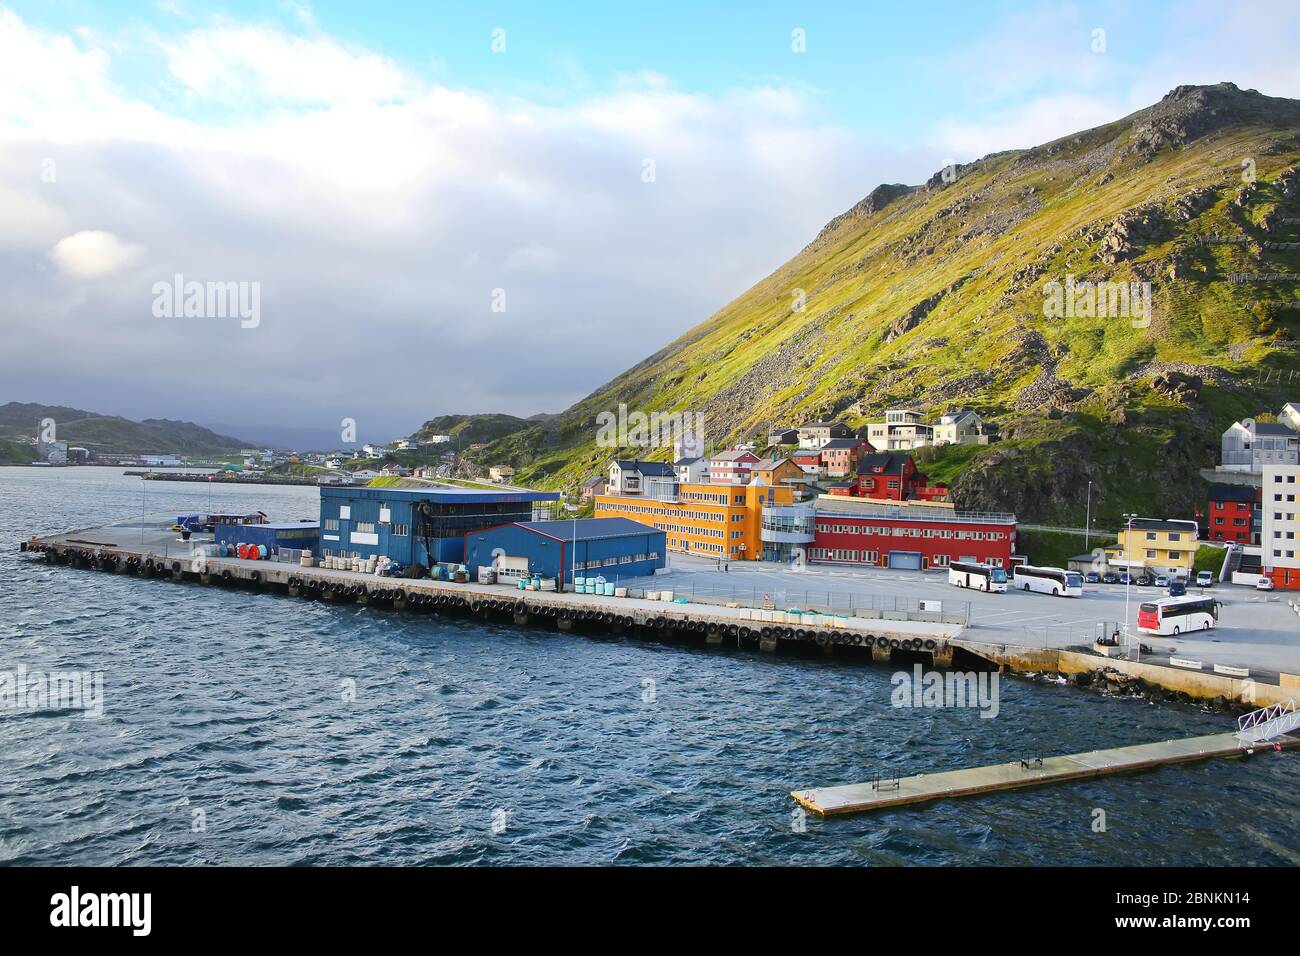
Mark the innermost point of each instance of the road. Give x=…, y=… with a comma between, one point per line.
x=1257, y=630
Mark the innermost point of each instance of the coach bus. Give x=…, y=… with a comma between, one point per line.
x=980, y=577
x=1048, y=580
x=1178, y=615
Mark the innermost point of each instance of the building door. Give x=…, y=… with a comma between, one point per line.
x=905, y=560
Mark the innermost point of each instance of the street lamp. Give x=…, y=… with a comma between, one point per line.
x=1128, y=575
x=1087, y=519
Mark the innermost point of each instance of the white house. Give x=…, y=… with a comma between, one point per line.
x=902, y=428
x=1248, y=446
x=691, y=470
x=632, y=477
x=961, y=426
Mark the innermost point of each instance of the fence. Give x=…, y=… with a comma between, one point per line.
x=807, y=599
x=1071, y=635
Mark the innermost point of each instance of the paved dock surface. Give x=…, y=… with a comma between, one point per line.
x=1013, y=775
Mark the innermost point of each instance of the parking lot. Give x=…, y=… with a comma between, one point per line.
x=1259, y=630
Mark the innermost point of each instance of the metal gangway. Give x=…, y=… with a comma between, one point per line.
x=1268, y=722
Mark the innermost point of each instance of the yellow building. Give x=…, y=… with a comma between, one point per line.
x=1161, y=547
x=721, y=521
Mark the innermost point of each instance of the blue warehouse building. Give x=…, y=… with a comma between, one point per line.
x=416, y=525
x=613, y=548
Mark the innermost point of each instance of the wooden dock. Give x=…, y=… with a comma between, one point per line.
x=1015, y=775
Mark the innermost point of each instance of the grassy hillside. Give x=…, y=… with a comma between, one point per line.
x=932, y=296
x=468, y=429
x=110, y=433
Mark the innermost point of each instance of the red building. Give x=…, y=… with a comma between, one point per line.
x=1231, y=513
x=912, y=538
x=895, y=478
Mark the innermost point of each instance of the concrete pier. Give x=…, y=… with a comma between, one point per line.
x=1015, y=775
x=149, y=549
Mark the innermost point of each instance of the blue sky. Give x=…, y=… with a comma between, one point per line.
x=381, y=173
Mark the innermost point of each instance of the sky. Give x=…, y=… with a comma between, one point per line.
x=434, y=208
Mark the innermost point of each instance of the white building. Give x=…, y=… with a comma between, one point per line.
x=1279, y=539
x=961, y=426
x=374, y=451
x=902, y=428
x=437, y=440
x=1249, y=446
x=691, y=471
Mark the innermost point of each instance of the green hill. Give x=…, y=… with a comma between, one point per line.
x=934, y=295
x=111, y=433
x=469, y=429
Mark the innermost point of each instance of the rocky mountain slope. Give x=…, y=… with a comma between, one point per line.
x=936, y=295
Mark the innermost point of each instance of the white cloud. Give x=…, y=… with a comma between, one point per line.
x=378, y=213
x=92, y=254
x=235, y=64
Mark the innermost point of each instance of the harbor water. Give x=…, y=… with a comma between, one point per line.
x=247, y=728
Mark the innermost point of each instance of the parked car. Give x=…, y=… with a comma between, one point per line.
x=1092, y=577
x=1205, y=579
x=1124, y=578
x=1263, y=584
x=1144, y=580
x=1110, y=577
x=1162, y=581
x=1177, y=587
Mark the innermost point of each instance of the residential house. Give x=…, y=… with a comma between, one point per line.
x=810, y=461
x=1248, y=446
x=630, y=476
x=691, y=470
x=593, y=486
x=961, y=426
x=840, y=455
x=364, y=474
x=394, y=470
x=404, y=444
x=778, y=471
x=731, y=467
x=1280, y=531
x=1232, y=514
x=501, y=473
x=374, y=451
x=1158, y=546
x=902, y=428
x=783, y=436
x=883, y=475
x=437, y=440
x=816, y=434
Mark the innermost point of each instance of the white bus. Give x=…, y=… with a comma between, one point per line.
x=981, y=577
x=1178, y=615
x=1048, y=580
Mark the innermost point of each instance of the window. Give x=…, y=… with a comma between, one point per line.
x=364, y=527
x=399, y=529
x=331, y=524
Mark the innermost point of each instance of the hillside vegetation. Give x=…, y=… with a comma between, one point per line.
x=110, y=433
x=932, y=296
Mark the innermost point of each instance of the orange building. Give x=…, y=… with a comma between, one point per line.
x=721, y=521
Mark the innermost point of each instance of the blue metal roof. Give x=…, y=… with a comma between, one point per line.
x=590, y=529
x=440, y=495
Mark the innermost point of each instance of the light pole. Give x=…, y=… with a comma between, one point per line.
x=1128, y=574
x=1087, y=518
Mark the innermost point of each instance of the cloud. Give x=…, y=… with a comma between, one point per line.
x=378, y=214
x=92, y=254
